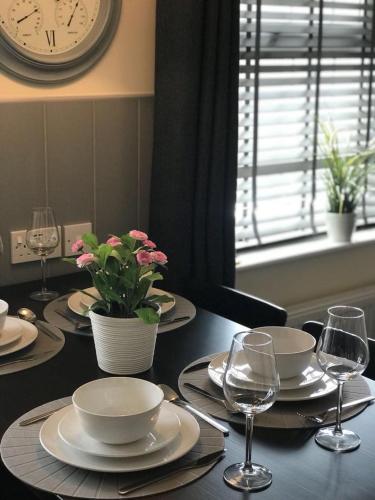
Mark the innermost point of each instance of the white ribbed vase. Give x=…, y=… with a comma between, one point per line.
x=124, y=346
x=340, y=227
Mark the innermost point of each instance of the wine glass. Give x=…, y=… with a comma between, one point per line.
x=1, y=246
x=251, y=385
x=42, y=238
x=342, y=354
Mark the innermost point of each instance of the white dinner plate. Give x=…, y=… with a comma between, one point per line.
x=166, y=429
x=321, y=388
x=182, y=444
x=10, y=332
x=79, y=303
x=28, y=333
x=312, y=374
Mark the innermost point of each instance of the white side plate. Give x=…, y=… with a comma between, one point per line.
x=165, y=431
x=312, y=374
x=28, y=333
x=10, y=332
x=312, y=385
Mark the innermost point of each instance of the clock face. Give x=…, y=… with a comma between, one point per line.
x=52, y=31
x=50, y=41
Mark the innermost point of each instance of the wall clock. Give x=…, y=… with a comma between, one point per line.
x=54, y=40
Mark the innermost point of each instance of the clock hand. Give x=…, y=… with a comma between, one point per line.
x=28, y=15
x=74, y=11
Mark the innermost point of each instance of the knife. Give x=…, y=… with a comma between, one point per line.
x=41, y=416
x=211, y=458
x=78, y=325
x=353, y=403
x=47, y=330
x=28, y=357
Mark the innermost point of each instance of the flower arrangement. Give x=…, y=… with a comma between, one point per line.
x=122, y=270
x=345, y=175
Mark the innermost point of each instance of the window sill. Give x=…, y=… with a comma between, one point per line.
x=292, y=251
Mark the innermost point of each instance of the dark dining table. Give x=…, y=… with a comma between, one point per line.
x=301, y=469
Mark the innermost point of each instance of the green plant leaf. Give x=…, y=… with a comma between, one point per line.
x=123, y=253
x=129, y=242
x=71, y=260
x=346, y=174
x=160, y=299
x=91, y=240
x=154, y=277
x=101, y=306
x=104, y=251
x=148, y=315
x=146, y=269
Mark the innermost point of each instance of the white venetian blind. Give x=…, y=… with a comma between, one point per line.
x=301, y=62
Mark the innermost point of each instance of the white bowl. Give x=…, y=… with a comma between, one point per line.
x=293, y=349
x=3, y=313
x=118, y=410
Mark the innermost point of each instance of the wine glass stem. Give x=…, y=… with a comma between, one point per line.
x=249, y=439
x=43, y=267
x=338, y=429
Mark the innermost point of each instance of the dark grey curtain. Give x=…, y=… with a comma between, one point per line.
x=195, y=139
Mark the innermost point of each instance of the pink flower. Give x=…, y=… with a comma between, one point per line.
x=114, y=241
x=149, y=244
x=159, y=257
x=85, y=259
x=138, y=235
x=144, y=258
x=77, y=246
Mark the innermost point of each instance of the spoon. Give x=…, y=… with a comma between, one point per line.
x=26, y=314
x=29, y=315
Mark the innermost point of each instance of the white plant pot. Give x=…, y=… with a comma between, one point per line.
x=124, y=346
x=340, y=226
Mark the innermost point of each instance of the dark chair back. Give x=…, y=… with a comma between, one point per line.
x=237, y=306
x=315, y=328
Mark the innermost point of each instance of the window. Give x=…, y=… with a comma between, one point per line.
x=301, y=62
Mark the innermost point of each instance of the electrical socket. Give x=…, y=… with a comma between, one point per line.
x=73, y=233
x=21, y=253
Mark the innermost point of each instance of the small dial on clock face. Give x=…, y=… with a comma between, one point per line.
x=25, y=18
x=71, y=14
x=45, y=28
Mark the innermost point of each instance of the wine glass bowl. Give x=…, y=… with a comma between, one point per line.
x=251, y=384
x=343, y=354
x=42, y=237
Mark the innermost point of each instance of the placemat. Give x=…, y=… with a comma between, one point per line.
x=43, y=345
x=280, y=415
x=183, y=308
x=25, y=458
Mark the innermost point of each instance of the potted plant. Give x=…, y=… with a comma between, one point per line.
x=345, y=180
x=124, y=315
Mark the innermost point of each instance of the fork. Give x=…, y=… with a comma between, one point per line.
x=78, y=325
x=322, y=416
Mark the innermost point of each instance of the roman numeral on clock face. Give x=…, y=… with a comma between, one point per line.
x=51, y=38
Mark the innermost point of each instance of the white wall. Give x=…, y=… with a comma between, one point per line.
x=309, y=278
x=126, y=69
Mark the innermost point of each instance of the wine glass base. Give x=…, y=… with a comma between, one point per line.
x=345, y=441
x=243, y=479
x=44, y=295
